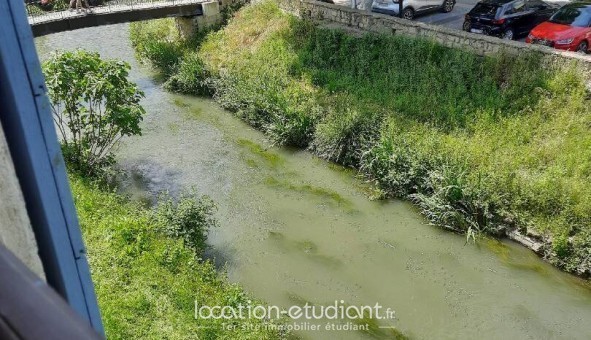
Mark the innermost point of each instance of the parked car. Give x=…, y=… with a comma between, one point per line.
x=507, y=19
x=46, y=5
x=412, y=8
x=569, y=29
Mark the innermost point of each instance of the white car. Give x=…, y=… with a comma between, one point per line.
x=412, y=8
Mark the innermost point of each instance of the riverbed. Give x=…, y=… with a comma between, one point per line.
x=296, y=229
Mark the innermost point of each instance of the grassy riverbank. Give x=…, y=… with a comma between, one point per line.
x=480, y=144
x=148, y=276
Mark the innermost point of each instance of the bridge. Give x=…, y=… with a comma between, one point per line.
x=116, y=12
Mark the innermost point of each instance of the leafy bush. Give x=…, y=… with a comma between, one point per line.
x=94, y=105
x=188, y=219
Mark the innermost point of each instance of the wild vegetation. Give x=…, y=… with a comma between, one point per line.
x=148, y=270
x=94, y=105
x=481, y=144
x=147, y=263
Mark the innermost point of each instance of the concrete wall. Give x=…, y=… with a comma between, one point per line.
x=359, y=20
x=15, y=229
x=211, y=17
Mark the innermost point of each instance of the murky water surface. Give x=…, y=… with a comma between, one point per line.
x=295, y=228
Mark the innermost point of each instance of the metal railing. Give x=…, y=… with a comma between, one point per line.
x=36, y=14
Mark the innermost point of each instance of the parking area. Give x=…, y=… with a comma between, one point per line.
x=454, y=19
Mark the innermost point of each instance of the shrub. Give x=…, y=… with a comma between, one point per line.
x=94, y=105
x=188, y=219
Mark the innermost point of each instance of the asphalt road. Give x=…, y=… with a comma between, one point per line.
x=453, y=19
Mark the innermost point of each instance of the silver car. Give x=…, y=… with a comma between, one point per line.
x=412, y=8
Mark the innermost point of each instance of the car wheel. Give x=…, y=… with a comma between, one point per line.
x=466, y=26
x=448, y=6
x=508, y=34
x=408, y=14
x=583, y=47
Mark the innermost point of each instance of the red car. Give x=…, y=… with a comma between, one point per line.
x=568, y=29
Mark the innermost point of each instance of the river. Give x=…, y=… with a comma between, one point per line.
x=294, y=228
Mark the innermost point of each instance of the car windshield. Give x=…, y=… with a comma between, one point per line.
x=577, y=16
x=485, y=9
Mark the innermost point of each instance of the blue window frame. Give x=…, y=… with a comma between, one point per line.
x=27, y=122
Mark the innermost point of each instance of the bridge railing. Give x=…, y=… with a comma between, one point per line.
x=37, y=14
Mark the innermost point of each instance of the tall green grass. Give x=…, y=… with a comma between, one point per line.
x=479, y=143
x=148, y=271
